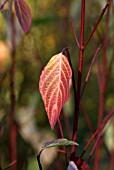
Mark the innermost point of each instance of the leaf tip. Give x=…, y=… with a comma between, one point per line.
x=23, y=14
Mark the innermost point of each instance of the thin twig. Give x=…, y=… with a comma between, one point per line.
x=89, y=123
x=62, y=136
x=60, y=128
x=10, y=165
x=98, y=131
x=13, y=126
x=97, y=23
x=89, y=71
x=75, y=35
x=2, y=6
x=98, y=142
x=104, y=66
x=102, y=84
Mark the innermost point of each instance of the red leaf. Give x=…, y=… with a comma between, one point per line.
x=54, y=86
x=23, y=14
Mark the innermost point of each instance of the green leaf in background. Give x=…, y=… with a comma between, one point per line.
x=59, y=142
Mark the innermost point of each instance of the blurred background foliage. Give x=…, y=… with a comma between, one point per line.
x=50, y=33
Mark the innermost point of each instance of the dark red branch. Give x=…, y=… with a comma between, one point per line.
x=13, y=127
x=102, y=86
x=80, y=65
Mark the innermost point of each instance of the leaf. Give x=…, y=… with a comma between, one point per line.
x=59, y=142
x=23, y=14
x=54, y=86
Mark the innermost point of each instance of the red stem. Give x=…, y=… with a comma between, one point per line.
x=104, y=65
x=98, y=142
x=80, y=65
x=60, y=129
x=97, y=23
x=62, y=136
x=98, y=131
x=102, y=86
x=13, y=127
x=10, y=165
x=91, y=127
